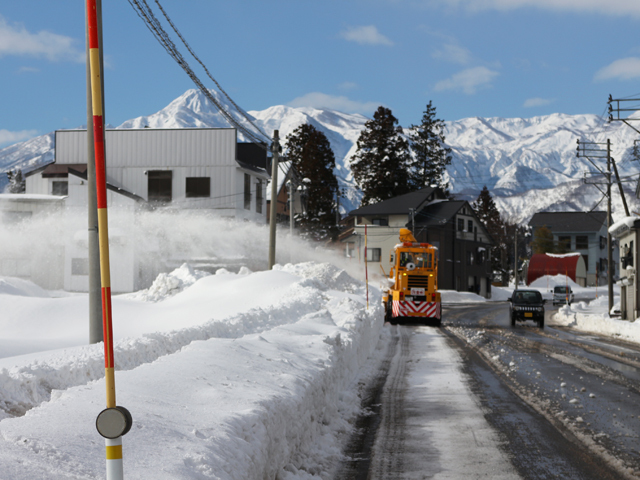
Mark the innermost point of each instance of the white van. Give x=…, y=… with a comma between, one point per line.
x=562, y=295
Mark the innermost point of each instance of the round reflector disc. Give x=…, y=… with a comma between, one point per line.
x=111, y=423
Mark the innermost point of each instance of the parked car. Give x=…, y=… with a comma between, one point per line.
x=562, y=295
x=527, y=305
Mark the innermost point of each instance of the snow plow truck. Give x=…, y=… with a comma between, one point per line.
x=413, y=282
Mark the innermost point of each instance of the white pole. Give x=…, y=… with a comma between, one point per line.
x=114, y=458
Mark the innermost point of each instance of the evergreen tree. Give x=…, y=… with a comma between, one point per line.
x=381, y=164
x=500, y=231
x=430, y=155
x=16, y=181
x=543, y=241
x=312, y=157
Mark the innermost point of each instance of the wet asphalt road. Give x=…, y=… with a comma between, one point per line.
x=563, y=404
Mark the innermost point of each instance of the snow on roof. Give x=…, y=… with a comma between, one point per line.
x=623, y=225
x=563, y=255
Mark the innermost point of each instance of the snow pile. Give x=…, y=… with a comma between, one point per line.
x=593, y=317
x=500, y=294
x=18, y=286
x=327, y=274
x=266, y=391
x=451, y=296
x=549, y=281
x=168, y=284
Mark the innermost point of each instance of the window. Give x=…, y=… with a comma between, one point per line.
x=198, y=187
x=603, y=265
x=564, y=243
x=159, y=185
x=259, y=198
x=60, y=188
x=247, y=191
x=79, y=266
x=373, y=254
x=470, y=226
x=582, y=242
x=469, y=258
x=603, y=242
x=461, y=225
x=380, y=221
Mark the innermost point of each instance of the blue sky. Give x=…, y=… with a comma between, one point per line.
x=487, y=58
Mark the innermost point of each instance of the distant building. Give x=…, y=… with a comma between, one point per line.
x=583, y=232
x=450, y=225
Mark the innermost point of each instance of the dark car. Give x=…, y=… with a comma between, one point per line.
x=527, y=305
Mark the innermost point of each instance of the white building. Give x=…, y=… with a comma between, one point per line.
x=170, y=170
x=185, y=168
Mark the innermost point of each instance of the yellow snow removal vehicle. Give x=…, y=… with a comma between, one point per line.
x=413, y=282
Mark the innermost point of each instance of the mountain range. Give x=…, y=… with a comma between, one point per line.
x=528, y=165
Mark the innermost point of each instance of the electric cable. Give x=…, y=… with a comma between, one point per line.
x=154, y=26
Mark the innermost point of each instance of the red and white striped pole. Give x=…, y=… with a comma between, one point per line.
x=114, y=421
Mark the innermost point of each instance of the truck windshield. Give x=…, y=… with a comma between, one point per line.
x=423, y=260
x=419, y=259
x=527, y=297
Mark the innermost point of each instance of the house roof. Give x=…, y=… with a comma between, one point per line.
x=82, y=173
x=397, y=205
x=439, y=213
x=570, y=221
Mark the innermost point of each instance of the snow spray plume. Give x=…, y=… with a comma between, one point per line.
x=153, y=242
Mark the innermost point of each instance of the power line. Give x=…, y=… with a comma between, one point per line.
x=154, y=26
x=175, y=29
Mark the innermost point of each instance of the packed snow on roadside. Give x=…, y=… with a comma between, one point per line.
x=594, y=317
x=228, y=376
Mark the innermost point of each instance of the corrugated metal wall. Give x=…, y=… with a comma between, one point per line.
x=155, y=148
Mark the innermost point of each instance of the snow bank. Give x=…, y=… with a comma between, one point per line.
x=451, y=296
x=168, y=284
x=18, y=286
x=549, y=281
x=593, y=317
x=265, y=393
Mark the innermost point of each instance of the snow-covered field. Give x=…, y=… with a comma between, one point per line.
x=230, y=376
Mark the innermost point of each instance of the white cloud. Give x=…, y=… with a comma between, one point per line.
x=365, y=35
x=610, y=7
x=28, y=70
x=469, y=80
x=623, y=69
x=17, y=40
x=453, y=53
x=537, y=102
x=7, y=137
x=340, y=103
x=348, y=86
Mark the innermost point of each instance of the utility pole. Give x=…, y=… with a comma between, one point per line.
x=412, y=212
x=609, y=245
x=95, y=300
x=618, y=109
x=591, y=150
x=275, y=151
x=291, y=217
x=515, y=256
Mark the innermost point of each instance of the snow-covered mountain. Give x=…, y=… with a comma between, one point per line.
x=528, y=165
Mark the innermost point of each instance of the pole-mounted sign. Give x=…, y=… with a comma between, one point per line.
x=115, y=421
